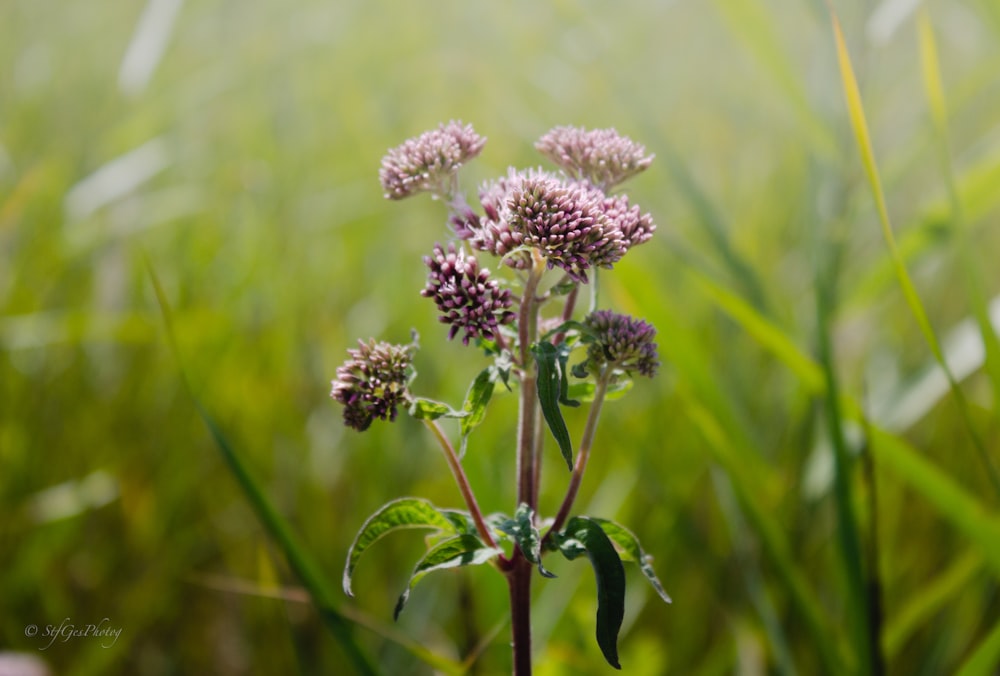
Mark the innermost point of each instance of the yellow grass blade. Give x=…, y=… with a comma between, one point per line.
x=856, y=113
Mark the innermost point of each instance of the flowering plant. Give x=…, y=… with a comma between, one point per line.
x=554, y=230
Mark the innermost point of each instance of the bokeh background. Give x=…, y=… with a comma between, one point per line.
x=234, y=146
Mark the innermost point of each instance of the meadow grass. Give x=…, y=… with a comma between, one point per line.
x=811, y=472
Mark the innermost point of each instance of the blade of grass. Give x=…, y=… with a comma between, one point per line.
x=956, y=505
x=297, y=595
x=769, y=531
x=847, y=526
x=934, y=90
x=929, y=600
x=753, y=579
x=748, y=21
x=856, y=114
x=770, y=336
x=714, y=225
x=304, y=566
x=983, y=661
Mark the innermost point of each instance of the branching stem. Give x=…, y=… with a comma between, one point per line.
x=586, y=443
x=462, y=481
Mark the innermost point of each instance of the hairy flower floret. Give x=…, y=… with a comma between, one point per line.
x=602, y=156
x=428, y=162
x=373, y=382
x=635, y=227
x=563, y=220
x=466, y=297
x=621, y=342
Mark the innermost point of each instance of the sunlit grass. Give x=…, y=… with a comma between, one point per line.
x=246, y=161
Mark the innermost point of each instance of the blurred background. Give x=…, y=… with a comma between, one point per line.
x=235, y=147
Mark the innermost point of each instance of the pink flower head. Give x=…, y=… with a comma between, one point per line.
x=601, y=156
x=373, y=382
x=428, y=162
x=571, y=223
x=466, y=297
x=622, y=342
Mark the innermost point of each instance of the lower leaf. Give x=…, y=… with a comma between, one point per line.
x=463, y=550
x=585, y=535
x=401, y=513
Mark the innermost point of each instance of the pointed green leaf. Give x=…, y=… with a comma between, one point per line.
x=401, y=513
x=630, y=550
x=522, y=530
x=428, y=409
x=476, y=399
x=463, y=550
x=585, y=391
x=587, y=334
x=585, y=536
x=549, y=393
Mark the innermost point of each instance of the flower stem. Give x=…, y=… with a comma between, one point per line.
x=462, y=481
x=519, y=574
x=586, y=443
x=519, y=581
x=527, y=332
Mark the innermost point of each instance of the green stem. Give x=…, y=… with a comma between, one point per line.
x=463, y=482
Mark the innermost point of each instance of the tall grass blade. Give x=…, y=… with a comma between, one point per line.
x=773, y=542
x=955, y=504
x=847, y=527
x=856, y=114
x=304, y=566
x=934, y=89
x=932, y=597
x=712, y=221
x=984, y=660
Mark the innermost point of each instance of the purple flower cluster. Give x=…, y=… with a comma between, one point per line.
x=621, y=342
x=428, y=162
x=571, y=223
x=601, y=156
x=373, y=382
x=466, y=297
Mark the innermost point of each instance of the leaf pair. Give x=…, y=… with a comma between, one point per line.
x=607, y=544
x=460, y=546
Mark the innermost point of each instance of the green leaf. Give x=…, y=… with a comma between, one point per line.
x=476, y=399
x=585, y=391
x=630, y=550
x=550, y=381
x=587, y=334
x=463, y=550
x=503, y=365
x=522, y=530
x=401, y=513
x=428, y=409
x=585, y=535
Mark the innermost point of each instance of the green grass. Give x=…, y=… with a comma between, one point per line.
x=774, y=280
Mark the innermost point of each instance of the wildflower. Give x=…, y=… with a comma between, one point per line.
x=493, y=233
x=621, y=342
x=635, y=228
x=373, y=382
x=465, y=295
x=563, y=220
x=601, y=156
x=429, y=161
